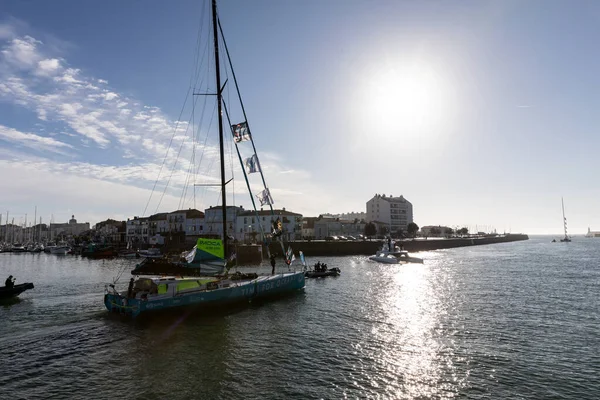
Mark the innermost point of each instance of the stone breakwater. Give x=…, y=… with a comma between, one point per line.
x=369, y=247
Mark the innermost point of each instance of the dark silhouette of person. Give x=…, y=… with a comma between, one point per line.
x=130, y=289
x=10, y=282
x=272, y=264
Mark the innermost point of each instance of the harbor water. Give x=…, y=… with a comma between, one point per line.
x=508, y=321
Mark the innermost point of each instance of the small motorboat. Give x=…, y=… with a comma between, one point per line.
x=320, y=270
x=7, y=293
x=392, y=254
x=395, y=257
x=321, y=274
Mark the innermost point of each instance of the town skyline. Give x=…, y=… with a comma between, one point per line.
x=467, y=110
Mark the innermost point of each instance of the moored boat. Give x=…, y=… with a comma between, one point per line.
x=150, y=253
x=94, y=250
x=129, y=253
x=60, y=250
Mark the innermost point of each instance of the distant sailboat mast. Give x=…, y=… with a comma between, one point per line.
x=564, y=219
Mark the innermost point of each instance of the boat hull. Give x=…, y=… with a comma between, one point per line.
x=60, y=250
x=262, y=287
x=385, y=260
x=7, y=293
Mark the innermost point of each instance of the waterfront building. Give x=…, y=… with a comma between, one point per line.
x=329, y=226
x=68, y=229
x=308, y=227
x=111, y=230
x=249, y=223
x=213, y=221
x=137, y=231
x=396, y=212
x=592, y=234
x=348, y=216
x=157, y=224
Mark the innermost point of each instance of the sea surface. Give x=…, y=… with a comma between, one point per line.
x=505, y=321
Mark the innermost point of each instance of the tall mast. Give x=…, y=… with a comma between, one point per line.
x=564, y=219
x=33, y=229
x=220, y=113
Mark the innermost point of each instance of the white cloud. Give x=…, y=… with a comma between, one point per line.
x=110, y=96
x=33, y=76
x=31, y=140
x=48, y=66
x=22, y=51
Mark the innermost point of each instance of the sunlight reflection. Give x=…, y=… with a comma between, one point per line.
x=412, y=360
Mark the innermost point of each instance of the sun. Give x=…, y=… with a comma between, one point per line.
x=404, y=100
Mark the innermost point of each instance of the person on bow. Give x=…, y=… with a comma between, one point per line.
x=272, y=264
x=10, y=282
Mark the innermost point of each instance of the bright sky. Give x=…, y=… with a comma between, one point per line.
x=479, y=113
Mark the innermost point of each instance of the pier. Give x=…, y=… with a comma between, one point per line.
x=369, y=247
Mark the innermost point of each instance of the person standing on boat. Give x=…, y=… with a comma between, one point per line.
x=10, y=282
x=130, y=289
x=272, y=264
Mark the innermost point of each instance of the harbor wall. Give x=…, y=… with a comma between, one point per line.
x=369, y=247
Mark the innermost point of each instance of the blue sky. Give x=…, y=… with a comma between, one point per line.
x=480, y=113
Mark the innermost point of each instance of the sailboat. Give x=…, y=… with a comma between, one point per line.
x=207, y=281
x=566, y=238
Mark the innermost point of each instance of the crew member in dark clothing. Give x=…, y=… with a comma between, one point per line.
x=10, y=282
x=130, y=289
x=272, y=264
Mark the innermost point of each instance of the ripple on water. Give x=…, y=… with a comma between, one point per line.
x=516, y=320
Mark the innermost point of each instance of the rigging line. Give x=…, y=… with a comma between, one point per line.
x=191, y=173
x=206, y=141
x=231, y=142
x=243, y=109
x=245, y=176
x=195, y=73
x=180, y=113
x=167, y=152
x=174, y=167
x=190, y=167
x=280, y=239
